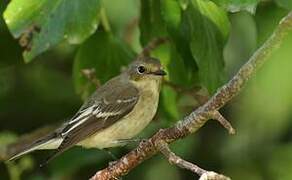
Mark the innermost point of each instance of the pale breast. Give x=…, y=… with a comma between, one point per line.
x=133, y=123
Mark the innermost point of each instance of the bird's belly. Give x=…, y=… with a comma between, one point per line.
x=128, y=127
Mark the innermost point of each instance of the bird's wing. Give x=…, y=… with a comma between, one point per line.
x=110, y=106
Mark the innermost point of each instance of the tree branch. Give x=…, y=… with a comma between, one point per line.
x=200, y=116
x=151, y=46
x=226, y=124
x=176, y=160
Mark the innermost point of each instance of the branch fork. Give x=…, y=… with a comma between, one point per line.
x=194, y=121
x=216, y=115
x=178, y=161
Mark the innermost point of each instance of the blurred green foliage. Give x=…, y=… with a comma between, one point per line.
x=209, y=41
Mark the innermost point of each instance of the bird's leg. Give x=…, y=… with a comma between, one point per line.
x=114, y=157
x=127, y=141
x=120, y=142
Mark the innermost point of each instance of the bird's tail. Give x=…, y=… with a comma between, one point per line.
x=51, y=141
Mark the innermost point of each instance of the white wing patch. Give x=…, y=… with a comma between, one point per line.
x=97, y=111
x=84, y=113
x=127, y=100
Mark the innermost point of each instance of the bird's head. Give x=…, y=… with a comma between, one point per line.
x=145, y=68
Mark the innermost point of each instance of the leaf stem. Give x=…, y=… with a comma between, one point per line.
x=104, y=20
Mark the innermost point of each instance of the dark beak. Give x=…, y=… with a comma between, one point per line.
x=160, y=72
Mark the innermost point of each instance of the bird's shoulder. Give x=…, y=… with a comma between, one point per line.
x=116, y=89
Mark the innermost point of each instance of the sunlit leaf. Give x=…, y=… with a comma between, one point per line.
x=151, y=23
x=41, y=24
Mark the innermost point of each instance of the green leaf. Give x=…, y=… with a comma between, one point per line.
x=182, y=65
x=151, y=22
x=198, y=31
x=171, y=13
x=209, y=28
x=287, y=4
x=182, y=72
x=103, y=52
x=238, y=5
x=242, y=41
x=163, y=18
x=44, y=23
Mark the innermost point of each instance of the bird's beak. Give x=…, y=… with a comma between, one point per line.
x=160, y=72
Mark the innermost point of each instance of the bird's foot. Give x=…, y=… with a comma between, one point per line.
x=128, y=141
x=113, y=157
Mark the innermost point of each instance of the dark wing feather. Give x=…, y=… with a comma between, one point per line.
x=112, y=105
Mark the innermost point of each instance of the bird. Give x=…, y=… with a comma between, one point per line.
x=116, y=111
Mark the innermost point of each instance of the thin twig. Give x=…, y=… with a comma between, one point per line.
x=128, y=33
x=224, y=122
x=90, y=74
x=199, y=117
x=178, y=161
x=151, y=46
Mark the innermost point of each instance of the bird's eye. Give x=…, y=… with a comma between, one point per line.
x=141, y=69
